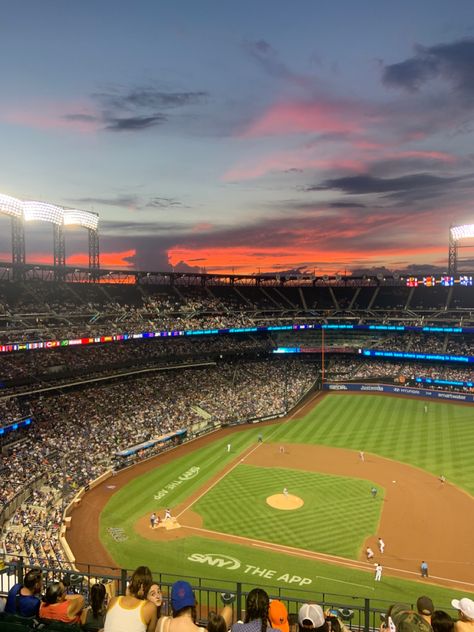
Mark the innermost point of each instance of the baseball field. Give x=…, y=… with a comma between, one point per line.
x=232, y=522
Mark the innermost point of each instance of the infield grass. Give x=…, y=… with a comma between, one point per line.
x=440, y=441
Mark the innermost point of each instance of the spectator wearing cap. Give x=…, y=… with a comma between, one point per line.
x=183, y=607
x=425, y=608
x=256, y=613
x=23, y=599
x=442, y=622
x=133, y=612
x=311, y=617
x=465, y=607
x=406, y=620
x=278, y=615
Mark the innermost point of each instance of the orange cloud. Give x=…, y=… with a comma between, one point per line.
x=299, y=118
x=243, y=260
x=107, y=259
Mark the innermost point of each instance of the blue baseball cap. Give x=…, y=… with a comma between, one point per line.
x=182, y=596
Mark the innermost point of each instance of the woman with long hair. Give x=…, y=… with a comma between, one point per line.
x=256, y=613
x=133, y=612
x=93, y=617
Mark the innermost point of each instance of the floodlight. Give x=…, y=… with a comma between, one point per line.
x=10, y=206
x=75, y=217
x=43, y=212
x=462, y=232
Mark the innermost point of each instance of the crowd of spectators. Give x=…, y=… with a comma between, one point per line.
x=50, y=311
x=76, y=433
x=143, y=609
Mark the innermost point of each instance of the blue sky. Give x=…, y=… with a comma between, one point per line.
x=268, y=135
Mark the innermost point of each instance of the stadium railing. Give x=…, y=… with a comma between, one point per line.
x=357, y=612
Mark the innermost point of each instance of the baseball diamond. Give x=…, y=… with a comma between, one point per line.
x=224, y=526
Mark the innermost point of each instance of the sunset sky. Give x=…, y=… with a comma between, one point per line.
x=245, y=136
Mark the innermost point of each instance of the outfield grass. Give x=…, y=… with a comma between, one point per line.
x=440, y=441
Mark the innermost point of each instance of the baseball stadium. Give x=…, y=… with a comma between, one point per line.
x=308, y=435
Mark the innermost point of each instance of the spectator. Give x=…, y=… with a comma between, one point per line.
x=57, y=605
x=465, y=607
x=154, y=595
x=278, y=615
x=407, y=620
x=23, y=598
x=311, y=617
x=133, y=612
x=442, y=622
x=93, y=617
x=256, y=613
x=183, y=606
x=425, y=608
x=219, y=622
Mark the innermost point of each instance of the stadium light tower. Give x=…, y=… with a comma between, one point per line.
x=14, y=208
x=90, y=221
x=457, y=233
x=44, y=212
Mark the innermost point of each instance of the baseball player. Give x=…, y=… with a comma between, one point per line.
x=285, y=491
x=167, y=514
x=373, y=491
x=369, y=553
x=378, y=572
x=152, y=520
x=381, y=545
x=229, y=447
x=361, y=456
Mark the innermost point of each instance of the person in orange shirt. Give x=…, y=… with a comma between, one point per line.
x=57, y=605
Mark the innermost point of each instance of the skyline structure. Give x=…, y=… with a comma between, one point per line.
x=252, y=137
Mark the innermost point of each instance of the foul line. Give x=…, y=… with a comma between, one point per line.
x=208, y=489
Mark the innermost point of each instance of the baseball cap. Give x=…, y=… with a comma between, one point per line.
x=313, y=613
x=465, y=605
x=182, y=596
x=406, y=620
x=278, y=615
x=424, y=605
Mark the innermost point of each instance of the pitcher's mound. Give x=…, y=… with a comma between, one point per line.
x=285, y=502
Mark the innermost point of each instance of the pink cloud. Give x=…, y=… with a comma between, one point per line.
x=285, y=160
x=74, y=116
x=299, y=118
x=430, y=155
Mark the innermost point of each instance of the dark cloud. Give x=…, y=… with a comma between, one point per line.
x=346, y=205
x=267, y=58
x=164, y=202
x=135, y=109
x=124, y=201
x=148, y=98
x=80, y=118
x=133, y=123
x=451, y=63
x=124, y=228
x=363, y=184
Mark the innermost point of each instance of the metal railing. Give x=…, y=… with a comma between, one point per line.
x=357, y=612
